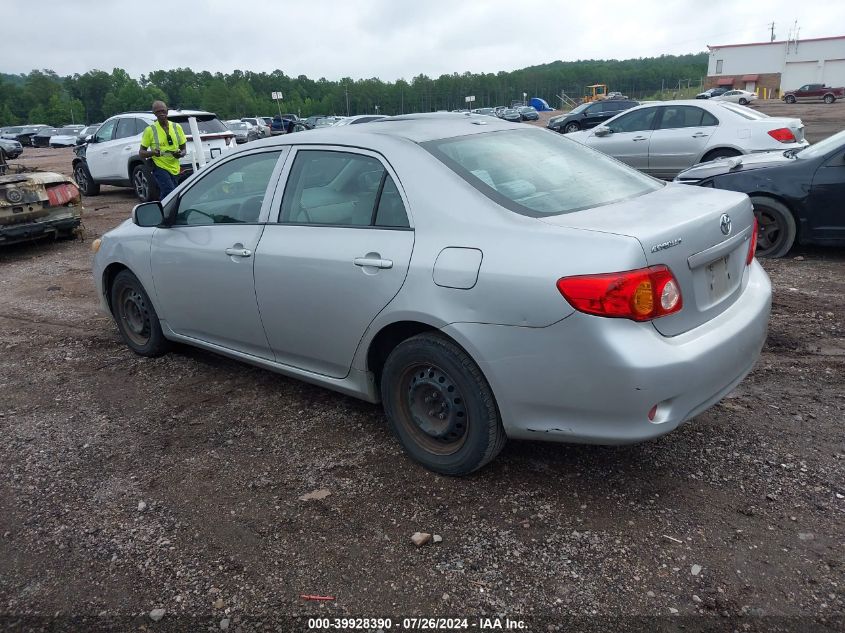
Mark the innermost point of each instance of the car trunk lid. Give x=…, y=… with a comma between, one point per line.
x=702, y=235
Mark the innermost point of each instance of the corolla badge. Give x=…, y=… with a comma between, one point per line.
x=725, y=224
x=664, y=245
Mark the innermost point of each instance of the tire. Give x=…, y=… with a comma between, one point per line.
x=723, y=152
x=789, y=98
x=829, y=98
x=136, y=317
x=743, y=101
x=144, y=184
x=87, y=185
x=571, y=127
x=776, y=227
x=428, y=370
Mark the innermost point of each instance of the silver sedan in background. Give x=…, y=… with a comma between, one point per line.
x=664, y=138
x=482, y=280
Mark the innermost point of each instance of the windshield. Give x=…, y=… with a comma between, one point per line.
x=13, y=130
x=579, y=109
x=207, y=124
x=68, y=131
x=538, y=173
x=746, y=113
x=237, y=125
x=823, y=147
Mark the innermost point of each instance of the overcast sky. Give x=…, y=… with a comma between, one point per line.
x=389, y=39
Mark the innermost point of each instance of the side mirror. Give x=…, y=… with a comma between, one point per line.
x=148, y=214
x=602, y=131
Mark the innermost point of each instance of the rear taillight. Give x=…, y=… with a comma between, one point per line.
x=783, y=134
x=60, y=195
x=640, y=295
x=752, y=247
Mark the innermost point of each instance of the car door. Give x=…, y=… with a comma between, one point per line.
x=825, y=211
x=681, y=136
x=203, y=263
x=629, y=137
x=337, y=255
x=100, y=152
x=593, y=115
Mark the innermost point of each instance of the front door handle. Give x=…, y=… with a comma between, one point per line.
x=372, y=261
x=640, y=138
x=700, y=135
x=239, y=252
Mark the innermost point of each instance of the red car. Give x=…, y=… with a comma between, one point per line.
x=814, y=92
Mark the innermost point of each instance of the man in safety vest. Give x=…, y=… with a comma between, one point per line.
x=166, y=142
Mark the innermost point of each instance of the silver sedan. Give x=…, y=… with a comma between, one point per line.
x=482, y=280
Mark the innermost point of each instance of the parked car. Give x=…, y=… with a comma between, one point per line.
x=38, y=205
x=712, y=92
x=23, y=133
x=742, y=97
x=358, y=119
x=528, y=113
x=347, y=266
x=328, y=121
x=259, y=123
x=797, y=193
x=42, y=137
x=485, y=111
x=244, y=131
x=814, y=92
x=10, y=149
x=66, y=136
x=616, y=95
x=667, y=137
x=86, y=133
x=588, y=115
x=111, y=156
x=311, y=121
x=510, y=114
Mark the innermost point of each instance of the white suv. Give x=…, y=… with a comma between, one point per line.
x=111, y=156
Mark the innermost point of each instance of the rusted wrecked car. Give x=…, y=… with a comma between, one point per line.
x=38, y=205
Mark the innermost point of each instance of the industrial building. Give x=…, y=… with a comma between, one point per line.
x=771, y=68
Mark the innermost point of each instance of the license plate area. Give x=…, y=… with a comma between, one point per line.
x=718, y=277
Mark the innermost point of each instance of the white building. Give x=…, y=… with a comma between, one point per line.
x=771, y=68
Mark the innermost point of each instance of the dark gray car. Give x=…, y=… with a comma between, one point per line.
x=589, y=115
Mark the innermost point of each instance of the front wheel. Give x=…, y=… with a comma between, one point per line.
x=440, y=407
x=743, y=101
x=136, y=317
x=790, y=98
x=829, y=98
x=776, y=227
x=144, y=184
x=571, y=127
x=84, y=181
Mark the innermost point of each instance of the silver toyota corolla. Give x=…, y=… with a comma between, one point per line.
x=484, y=280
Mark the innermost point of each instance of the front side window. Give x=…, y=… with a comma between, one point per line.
x=537, y=173
x=232, y=193
x=106, y=130
x=341, y=189
x=685, y=116
x=636, y=121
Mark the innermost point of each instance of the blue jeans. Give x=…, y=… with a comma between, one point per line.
x=165, y=180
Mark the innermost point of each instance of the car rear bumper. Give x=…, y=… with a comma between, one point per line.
x=53, y=225
x=594, y=380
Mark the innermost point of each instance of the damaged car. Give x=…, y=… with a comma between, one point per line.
x=38, y=205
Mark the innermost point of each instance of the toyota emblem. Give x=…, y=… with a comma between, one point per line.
x=725, y=224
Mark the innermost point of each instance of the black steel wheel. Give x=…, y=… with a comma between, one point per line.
x=440, y=407
x=87, y=185
x=136, y=317
x=571, y=127
x=776, y=229
x=144, y=184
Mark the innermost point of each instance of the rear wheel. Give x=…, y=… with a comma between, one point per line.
x=440, y=407
x=790, y=98
x=776, y=227
x=84, y=180
x=571, y=127
x=829, y=98
x=136, y=317
x=144, y=184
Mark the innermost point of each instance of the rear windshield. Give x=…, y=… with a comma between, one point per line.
x=539, y=173
x=237, y=126
x=207, y=123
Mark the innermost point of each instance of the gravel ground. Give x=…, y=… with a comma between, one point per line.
x=131, y=485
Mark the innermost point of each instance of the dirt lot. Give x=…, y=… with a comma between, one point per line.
x=129, y=484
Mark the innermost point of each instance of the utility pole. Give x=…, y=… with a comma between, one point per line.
x=772, y=25
x=346, y=90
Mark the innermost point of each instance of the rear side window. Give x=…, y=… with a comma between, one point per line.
x=537, y=173
x=125, y=128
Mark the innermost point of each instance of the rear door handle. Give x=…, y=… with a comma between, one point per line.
x=640, y=138
x=239, y=252
x=371, y=261
x=700, y=135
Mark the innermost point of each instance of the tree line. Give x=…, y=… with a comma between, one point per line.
x=42, y=96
